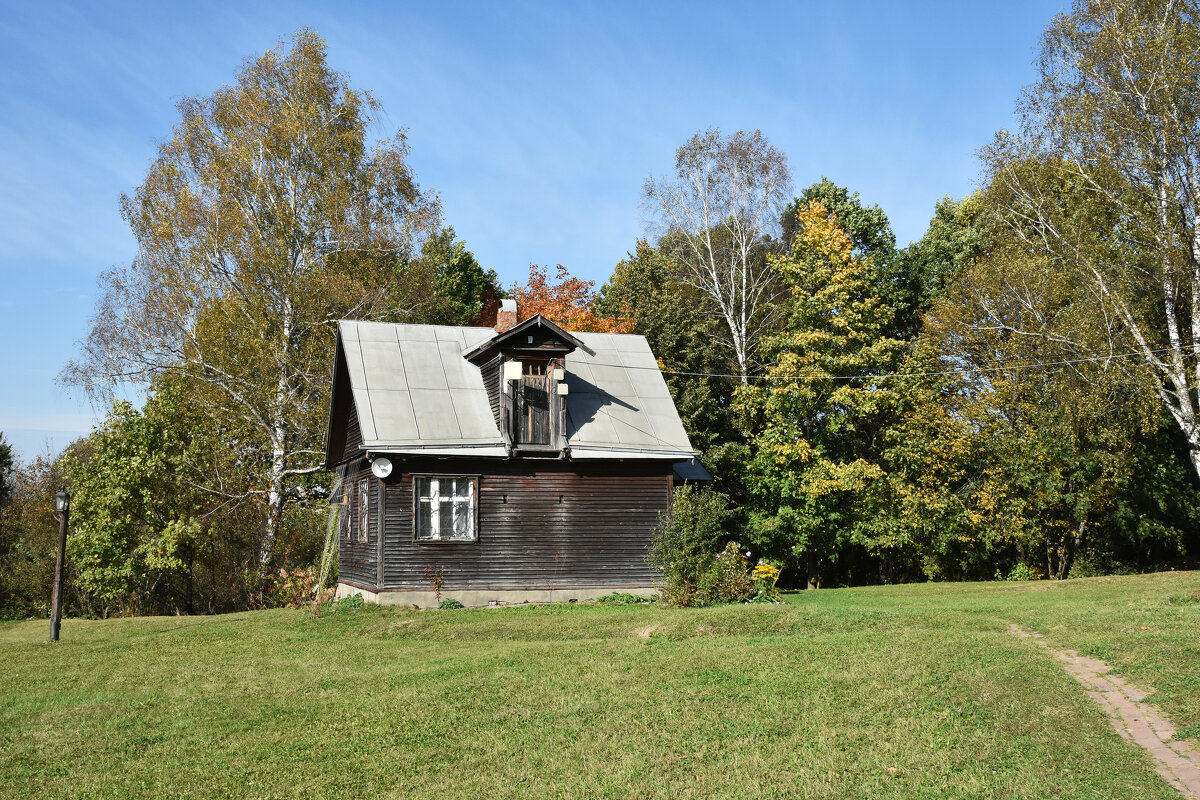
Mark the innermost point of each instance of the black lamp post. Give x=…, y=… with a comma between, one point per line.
x=62, y=504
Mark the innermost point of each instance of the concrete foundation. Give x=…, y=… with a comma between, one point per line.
x=478, y=598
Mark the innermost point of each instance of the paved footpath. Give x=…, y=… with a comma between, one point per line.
x=1177, y=762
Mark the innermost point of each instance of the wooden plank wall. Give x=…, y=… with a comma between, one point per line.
x=490, y=370
x=358, y=561
x=543, y=524
x=353, y=435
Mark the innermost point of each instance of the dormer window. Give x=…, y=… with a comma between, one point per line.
x=534, y=406
x=524, y=367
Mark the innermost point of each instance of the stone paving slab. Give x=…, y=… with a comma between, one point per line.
x=1178, y=762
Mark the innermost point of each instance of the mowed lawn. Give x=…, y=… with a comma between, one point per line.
x=905, y=692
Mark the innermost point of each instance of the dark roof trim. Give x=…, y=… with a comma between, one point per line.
x=692, y=470
x=337, y=401
x=536, y=321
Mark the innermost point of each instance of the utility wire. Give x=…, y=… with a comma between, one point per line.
x=886, y=375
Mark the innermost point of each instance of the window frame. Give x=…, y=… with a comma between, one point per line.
x=347, y=521
x=363, y=528
x=416, y=506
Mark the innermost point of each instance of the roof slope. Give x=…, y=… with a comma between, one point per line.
x=414, y=392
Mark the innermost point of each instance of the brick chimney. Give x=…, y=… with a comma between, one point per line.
x=506, y=317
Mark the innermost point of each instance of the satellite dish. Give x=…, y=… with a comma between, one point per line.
x=381, y=467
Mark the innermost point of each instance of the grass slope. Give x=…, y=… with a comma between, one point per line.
x=815, y=699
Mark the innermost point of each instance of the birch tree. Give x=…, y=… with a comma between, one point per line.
x=265, y=217
x=723, y=202
x=1104, y=179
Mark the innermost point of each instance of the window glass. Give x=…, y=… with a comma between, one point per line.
x=445, y=508
x=364, y=509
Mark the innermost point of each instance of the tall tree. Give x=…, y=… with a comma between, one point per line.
x=724, y=200
x=872, y=238
x=1104, y=179
x=817, y=419
x=680, y=324
x=959, y=232
x=570, y=302
x=868, y=227
x=7, y=463
x=137, y=519
x=1014, y=446
x=265, y=218
x=445, y=285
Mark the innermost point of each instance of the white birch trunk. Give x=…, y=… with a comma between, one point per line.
x=279, y=439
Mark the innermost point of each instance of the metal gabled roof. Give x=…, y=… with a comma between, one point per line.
x=415, y=392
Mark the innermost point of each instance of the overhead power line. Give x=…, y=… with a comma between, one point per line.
x=886, y=375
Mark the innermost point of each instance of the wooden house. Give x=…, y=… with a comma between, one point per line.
x=523, y=463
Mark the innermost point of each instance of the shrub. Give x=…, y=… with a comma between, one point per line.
x=296, y=588
x=624, y=599
x=689, y=535
x=1021, y=572
x=450, y=604
x=727, y=579
x=352, y=603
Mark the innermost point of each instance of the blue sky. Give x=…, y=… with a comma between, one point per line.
x=535, y=122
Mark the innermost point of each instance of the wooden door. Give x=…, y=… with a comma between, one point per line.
x=533, y=414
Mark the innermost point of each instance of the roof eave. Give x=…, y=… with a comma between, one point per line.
x=537, y=320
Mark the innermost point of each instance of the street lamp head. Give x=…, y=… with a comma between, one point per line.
x=62, y=501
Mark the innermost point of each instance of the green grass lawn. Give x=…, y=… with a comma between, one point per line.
x=815, y=698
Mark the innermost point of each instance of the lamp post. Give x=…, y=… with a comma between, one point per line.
x=62, y=504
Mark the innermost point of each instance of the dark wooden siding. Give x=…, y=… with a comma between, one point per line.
x=542, y=524
x=490, y=370
x=357, y=560
x=353, y=435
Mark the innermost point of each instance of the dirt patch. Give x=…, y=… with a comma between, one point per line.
x=1177, y=762
x=648, y=631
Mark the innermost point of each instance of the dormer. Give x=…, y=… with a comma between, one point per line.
x=524, y=370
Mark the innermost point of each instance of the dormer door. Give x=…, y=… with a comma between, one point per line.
x=534, y=419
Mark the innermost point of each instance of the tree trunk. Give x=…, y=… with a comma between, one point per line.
x=279, y=439
x=1194, y=453
x=1076, y=546
x=810, y=578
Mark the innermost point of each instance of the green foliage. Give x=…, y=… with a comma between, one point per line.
x=624, y=599
x=814, y=423
x=891, y=274
x=1021, y=572
x=683, y=330
x=445, y=285
x=725, y=580
x=136, y=521
x=688, y=538
x=959, y=232
x=868, y=227
x=449, y=604
x=347, y=604
x=29, y=543
x=697, y=570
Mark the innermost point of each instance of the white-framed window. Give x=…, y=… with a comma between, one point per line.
x=445, y=508
x=364, y=509
x=345, y=521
